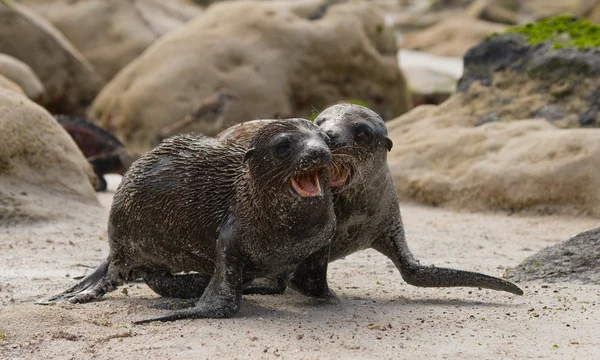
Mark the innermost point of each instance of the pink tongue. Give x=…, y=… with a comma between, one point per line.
x=307, y=185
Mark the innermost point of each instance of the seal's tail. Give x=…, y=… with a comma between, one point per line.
x=90, y=288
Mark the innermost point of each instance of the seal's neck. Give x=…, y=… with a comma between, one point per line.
x=277, y=210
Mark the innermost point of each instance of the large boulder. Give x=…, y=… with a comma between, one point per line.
x=111, y=33
x=22, y=75
x=512, y=138
x=268, y=60
x=42, y=171
x=69, y=79
x=576, y=260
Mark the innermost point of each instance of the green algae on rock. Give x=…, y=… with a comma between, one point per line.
x=556, y=59
x=563, y=31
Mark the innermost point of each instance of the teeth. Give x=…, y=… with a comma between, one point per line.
x=307, y=184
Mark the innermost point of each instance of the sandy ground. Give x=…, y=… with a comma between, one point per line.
x=380, y=316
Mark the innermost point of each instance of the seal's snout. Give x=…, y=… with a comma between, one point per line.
x=318, y=154
x=314, y=159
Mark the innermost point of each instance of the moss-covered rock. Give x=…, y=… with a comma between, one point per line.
x=562, y=31
x=558, y=58
x=500, y=142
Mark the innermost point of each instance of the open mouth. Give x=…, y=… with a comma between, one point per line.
x=306, y=184
x=338, y=175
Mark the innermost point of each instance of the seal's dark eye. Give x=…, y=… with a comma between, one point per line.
x=362, y=132
x=320, y=121
x=283, y=146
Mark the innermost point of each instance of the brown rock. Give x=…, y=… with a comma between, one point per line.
x=438, y=159
x=490, y=10
x=69, y=79
x=111, y=33
x=41, y=169
x=22, y=75
x=268, y=56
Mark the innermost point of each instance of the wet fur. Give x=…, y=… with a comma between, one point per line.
x=216, y=209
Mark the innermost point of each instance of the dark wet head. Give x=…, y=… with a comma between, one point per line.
x=290, y=153
x=358, y=141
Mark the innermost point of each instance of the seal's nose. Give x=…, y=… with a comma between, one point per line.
x=333, y=136
x=317, y=152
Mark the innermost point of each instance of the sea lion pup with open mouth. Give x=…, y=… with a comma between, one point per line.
x=366, y=203
x=225, y=213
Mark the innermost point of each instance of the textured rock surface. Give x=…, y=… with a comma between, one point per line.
x=21, y=74
x=271, y=60
x=511, y=138
x=576, y=261
x=69, y=79
x=39, y=163
x=111, y=33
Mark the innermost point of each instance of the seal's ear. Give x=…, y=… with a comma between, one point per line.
x=388, y=143
x=248, y=154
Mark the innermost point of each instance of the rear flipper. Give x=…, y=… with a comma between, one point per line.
x=90, y=288
x=184, y=286
x=187, y=288
x=430, y=276
x=271, y=285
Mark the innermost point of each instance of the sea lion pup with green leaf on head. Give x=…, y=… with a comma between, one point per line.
x=365, y=203
x=225, y=212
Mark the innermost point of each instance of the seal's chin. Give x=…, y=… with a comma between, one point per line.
x=306, y=184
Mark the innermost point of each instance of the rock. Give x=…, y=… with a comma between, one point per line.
x=575, y=261
x=492, y=11
x=8, y=84
x=21, y=74
x=69, y=79
x=452, y=36
x=42, y=172
x=268, y=57
x=111, y=33
x=510, y=139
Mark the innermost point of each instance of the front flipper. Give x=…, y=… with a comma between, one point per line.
x=413, y=273
x=310, y=277
x=223, y=295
